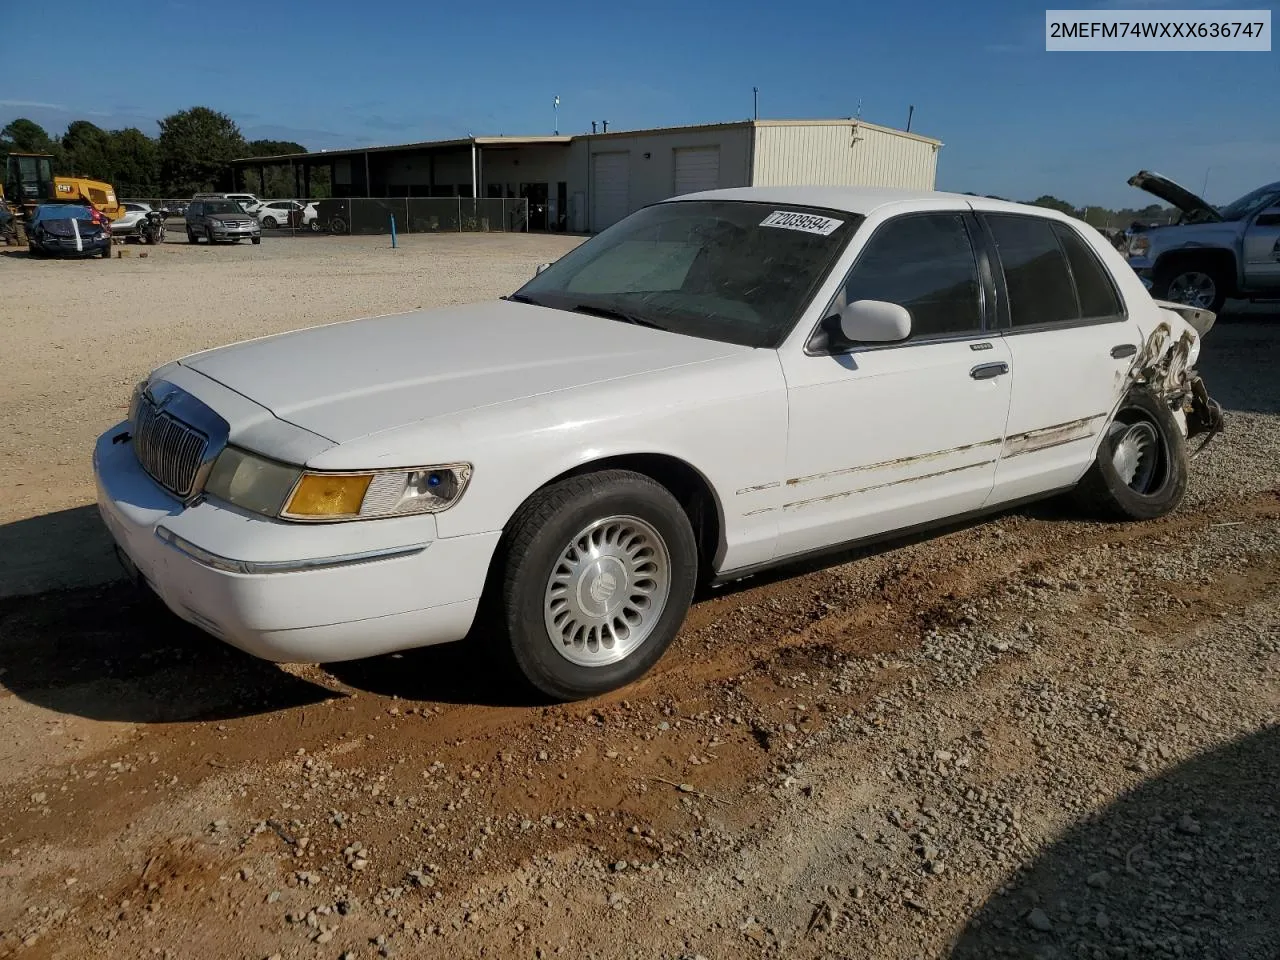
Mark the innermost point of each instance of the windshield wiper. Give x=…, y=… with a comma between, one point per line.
x=521, y=298
x=610, y=314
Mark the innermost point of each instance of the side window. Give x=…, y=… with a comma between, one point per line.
x=925, y=262
x=194, y=210
x=1097, y=295
x=1035, y=271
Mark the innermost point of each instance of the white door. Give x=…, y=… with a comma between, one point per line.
x=885, y=437
x=697, y=168
x=1070, y=349
x=1262, y=250
x=610, y=189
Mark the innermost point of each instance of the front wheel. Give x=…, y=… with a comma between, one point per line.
x=256, y=241
x=1199, y=285
x=1140, y=472
x=208, y=233
x=598, y=574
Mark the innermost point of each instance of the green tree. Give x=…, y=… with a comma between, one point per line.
x=1053, y=203
x=25, y=136
x=87, y=151
x=196, y=148
x=135, y=163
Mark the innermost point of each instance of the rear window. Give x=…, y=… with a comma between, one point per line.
x=1093, y=285
x=1050, y=273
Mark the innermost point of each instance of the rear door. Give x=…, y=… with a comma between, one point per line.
x=1071, y=345
x=888, y=436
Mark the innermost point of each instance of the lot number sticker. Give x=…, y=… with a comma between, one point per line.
x=805, y=222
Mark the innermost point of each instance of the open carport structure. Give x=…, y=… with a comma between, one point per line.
x=589, y=181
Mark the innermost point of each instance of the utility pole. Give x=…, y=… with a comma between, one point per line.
x=910, y=111
x=755, y=97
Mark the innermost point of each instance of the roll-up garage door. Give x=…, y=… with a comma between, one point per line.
x=611, y=189
x=697, y=168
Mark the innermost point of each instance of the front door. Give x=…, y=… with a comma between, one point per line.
x=1070, y=349
x=888, y=436
x=1262, y=250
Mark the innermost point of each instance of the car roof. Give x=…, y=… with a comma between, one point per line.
x=862, y=200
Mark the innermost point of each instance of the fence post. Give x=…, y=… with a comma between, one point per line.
x=393, y=231
x=459, y=213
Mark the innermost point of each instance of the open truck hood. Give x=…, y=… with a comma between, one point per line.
x=1193, y=206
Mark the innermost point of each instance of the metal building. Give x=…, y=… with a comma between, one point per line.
x=588, y=182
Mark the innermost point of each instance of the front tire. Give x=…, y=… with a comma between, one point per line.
x=1140, y=472
x=208, y=233
x=1200, y=285
x=598, y=572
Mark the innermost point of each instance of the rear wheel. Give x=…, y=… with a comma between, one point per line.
x=270, y=222
x=598, y=574
x=337, y=225
x=1140, y=472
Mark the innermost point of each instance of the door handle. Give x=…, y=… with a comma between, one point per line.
x=1122, y=350
x=985, y=371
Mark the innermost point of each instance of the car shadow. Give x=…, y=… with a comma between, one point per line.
x=1184, y=865
x=77, y=638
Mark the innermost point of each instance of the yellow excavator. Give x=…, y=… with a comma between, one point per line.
x=29, y=181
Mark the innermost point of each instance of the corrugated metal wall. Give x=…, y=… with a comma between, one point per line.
x=842, y=154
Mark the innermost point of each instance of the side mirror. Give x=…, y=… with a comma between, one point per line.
x=875, y=321
x=541, y=267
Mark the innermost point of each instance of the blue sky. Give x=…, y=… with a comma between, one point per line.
x=1016, y=121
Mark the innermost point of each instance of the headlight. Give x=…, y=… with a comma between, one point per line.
x=252, y=482
x=291, y=493
x=1140, y=245
x=380, y=493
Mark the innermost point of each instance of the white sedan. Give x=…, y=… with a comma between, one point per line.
x=276, y=213
x=717, y=384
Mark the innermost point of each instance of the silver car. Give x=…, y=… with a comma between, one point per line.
x=217, y=220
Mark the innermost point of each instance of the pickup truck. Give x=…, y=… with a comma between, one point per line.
x=1210, y=253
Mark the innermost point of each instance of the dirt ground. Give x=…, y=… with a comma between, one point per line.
x=1036, y=736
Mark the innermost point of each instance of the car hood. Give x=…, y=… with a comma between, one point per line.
x=347, y=380
x=1174, y=193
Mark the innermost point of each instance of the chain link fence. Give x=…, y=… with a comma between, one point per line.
x=371, y=216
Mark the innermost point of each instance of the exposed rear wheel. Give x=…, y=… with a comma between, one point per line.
x=598, y=574
x=1140, y=472
x=270, y=222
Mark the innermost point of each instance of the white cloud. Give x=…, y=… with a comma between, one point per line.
x=35, y=104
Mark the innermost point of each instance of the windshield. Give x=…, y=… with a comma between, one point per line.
x=722, y=270
x=63, y=212
x=221, y=206
x=1248, y=204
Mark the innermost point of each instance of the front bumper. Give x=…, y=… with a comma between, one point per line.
x=63, y=247
x=223, y=232
x=291, y=592
x=1143, y=267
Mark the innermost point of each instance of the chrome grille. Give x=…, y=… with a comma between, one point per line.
x=169, y=450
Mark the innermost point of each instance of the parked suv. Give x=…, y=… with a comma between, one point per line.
x=220, y=220
x=1211, y=253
